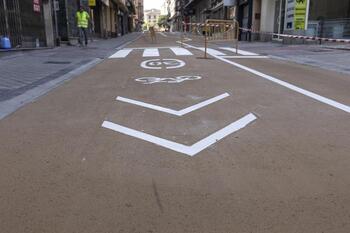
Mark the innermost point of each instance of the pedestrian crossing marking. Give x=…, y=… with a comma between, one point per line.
x=121, y=53
x=181, y=52
x=241, y=52
x=152, y=52
x=213, y=52
x=246, y=57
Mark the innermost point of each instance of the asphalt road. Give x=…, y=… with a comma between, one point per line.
x=146, y=143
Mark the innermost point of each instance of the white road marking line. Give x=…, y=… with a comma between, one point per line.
x=292, y=87
x=171, y=111
x=163, y=34
x=178, y=79
x=213, y=52
x=121, y=53
x=181, y=52
x=151, y=53
x=143, y=48
x=247, y=57
x=242, y=52
x=188, y=150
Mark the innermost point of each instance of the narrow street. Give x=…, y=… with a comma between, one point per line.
x=157, y=139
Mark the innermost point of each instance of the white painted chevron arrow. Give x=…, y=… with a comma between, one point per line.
x=188, y=150
x=171, y=111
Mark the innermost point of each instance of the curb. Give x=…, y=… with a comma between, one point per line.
x=8, y=107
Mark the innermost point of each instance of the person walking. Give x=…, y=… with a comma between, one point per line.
x=82, y=18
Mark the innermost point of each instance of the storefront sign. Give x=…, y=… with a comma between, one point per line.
x=300, y=14
x=92, y=2
x=289, y=15
x=36, y=5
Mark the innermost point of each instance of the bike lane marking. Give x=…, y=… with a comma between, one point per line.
x=171, y=80
x=181, y=112
x=157, y=64
x=184, y=149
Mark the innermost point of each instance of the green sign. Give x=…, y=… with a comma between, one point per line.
x=300, y=14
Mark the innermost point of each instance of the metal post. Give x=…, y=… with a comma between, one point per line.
x=205, y=40
x=237, y=33
x=182, y=35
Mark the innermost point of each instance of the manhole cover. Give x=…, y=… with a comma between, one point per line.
x=58, y=62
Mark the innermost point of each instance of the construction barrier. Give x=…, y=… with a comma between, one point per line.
x=213, y=30
x=298, y=36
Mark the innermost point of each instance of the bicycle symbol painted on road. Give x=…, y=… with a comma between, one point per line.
x=179, y=79
x=158, y=64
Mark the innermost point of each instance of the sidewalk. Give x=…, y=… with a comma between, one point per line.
x=22, y=72
x=335, y=57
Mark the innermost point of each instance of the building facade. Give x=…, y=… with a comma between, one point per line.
x=40, y=23
x=139, y=15
x=28, y=23
x=109, y=18
x=172, y=14
x=151, y=17
x=325, y=18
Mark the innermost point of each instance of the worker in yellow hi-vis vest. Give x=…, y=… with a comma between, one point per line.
x=83, y=23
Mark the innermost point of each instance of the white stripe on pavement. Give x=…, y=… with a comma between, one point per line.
x=246, y=57
x=181, y=52
x=121, y=53
x=241, y=52
x=151, y=52
x=188, y=150
x=213, y=52
x=292, y=87
x=171, y=111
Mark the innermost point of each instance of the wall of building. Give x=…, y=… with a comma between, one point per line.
x=256, y=21
x=329, y=9
x=22, y=24
x=267, y=15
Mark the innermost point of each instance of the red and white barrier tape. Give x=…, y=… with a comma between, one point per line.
x=299, y=37
x=274, y=34
x=204, y=24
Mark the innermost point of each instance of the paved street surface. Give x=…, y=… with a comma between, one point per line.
x=156, y=139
